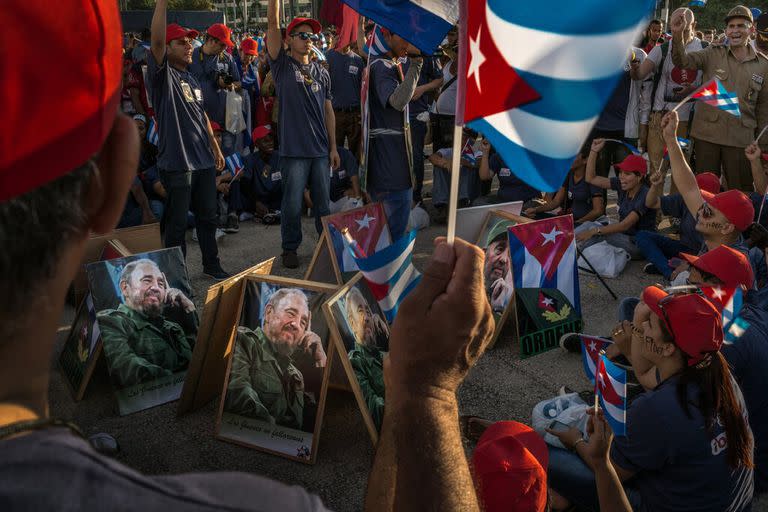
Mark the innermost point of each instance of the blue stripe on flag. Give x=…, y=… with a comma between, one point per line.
x=517, y=251
x=386, y=255
x=390, y=314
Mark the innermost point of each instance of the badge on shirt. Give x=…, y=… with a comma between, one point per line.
x=570, y=194
x=299, y=76
x=199, y=94
x=504, y=172
x=342, y=174
x=353, y=70
x=276, y=176
x=187, y=90
x=315, y=87
x=758, y=79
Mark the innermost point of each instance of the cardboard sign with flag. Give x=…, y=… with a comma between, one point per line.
x=611, y=387
x=544, y=315
x=590, y=353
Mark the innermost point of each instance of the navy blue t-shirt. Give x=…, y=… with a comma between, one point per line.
x=148, y=180
x=511, y=188
x=206, y=69
x=628, y=205
x=346, y=72
x=615, y=112
x=388, y=164
x=429, y=72
x=679, y=466
x=674, y=205
x=266, y=176
x=302, y=89
x=182, y=127
x=579, y=196
x=341, y=177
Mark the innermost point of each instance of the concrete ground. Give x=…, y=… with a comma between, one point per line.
x=501, y=386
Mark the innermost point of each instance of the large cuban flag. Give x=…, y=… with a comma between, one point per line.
x=611, y=387
x=537, y=76
x=543, y=255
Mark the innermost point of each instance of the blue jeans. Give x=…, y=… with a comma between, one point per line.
x=297, y=173
x=397, y=207
x=658, y=249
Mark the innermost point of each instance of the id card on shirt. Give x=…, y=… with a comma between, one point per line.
x=353, y=70
x=187, y=90
x=505, y=172
x=342, y=174
x=277, y=176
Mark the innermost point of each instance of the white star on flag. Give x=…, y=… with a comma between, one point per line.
x=365, y=222
x=477, y=58
x=551, y=236
x=718, y=292
x=592, y=346
x=547, y=301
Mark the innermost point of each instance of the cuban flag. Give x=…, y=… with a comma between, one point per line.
x=590, y=353
x=390, y=273
x=536, y=82
x=611, y=388
x=376, y=46
x=250, y=79
x=730, y=302
x=423, y=23
x=468, y=153
x=714, y=93
x=543, y=255
x=152, y=136
x=234, y=163
x=366, y=225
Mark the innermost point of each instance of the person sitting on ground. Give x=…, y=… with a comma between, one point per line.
x=577, y=197
x=657, y=248
x=634, y=215
x=345, y=183
x=511, y=188
x=441, y=176
x=262, y=180
x=688, y=444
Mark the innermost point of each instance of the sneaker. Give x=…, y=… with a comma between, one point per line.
x=232, y=225
x=651, y=269
x=246, y=216
x=571, y=342
x=220, y=233
x=194, y=234
x=217, y=273
x=271, y=218
x=290, y=259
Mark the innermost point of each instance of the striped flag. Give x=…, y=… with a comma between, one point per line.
x=234, y=164
x=590, y=353
x=611, y=387
x=535, y=84
x=390, y=273
x=729, y=301
x=468, y=153
x=152, y=136
x=376, y=46
x=714, y=93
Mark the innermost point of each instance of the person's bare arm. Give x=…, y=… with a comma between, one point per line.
x=642, y=70
x=330, y=128
x=361, y=39
x=444, y=163
x=159, y=188
x=680, y=57
x=609, y=489
x=754, y=155
x=157, y=44
x=682, y=174
x=653, y=199
x=274, y=42
x=137, y=191
x=592, y=177
x=548, y=206
x=217, y=154
x=597, y=211
x=484, y=171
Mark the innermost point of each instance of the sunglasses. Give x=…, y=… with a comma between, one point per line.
x=706, y=210
x=672, y=292
x=305, y=36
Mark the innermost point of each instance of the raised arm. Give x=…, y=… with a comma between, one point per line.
x=653, y=199
x=682, y=174
x=274, y=38
x=754, y=155
x=158, y=31
x=681, y=58
x=592, y=177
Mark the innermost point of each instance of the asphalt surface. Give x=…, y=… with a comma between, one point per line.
x=501, y=386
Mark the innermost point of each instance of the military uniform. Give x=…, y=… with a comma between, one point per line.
x=141, y=348
x=720, y=137
x=264, y=384
x=369, y=370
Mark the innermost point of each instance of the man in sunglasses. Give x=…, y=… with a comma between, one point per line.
x=306, y=126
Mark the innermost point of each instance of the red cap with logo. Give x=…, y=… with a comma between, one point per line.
x=694, y=322
x=708, y=181
x=176, y=31
x=316, y=28
x=633, y=163
x=215, y=126
x=736, y=207
x=510, y=468
x=49, y=134
x=222, y=33
x=249, y=47
x=725, y=263
x=261, y=131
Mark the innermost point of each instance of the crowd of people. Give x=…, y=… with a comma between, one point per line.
x=212, y=131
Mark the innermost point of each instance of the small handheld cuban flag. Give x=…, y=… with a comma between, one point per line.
x=713, y=93
x=590, y=353
x=234, y=164
x=389, y=272
x=611, y=388
x=376, y=45
x=468, y=152
x=152, y=135
x=730, y=301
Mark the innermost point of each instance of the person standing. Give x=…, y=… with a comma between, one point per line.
x=188, y=154
x=720, y=137
x=345, y=68
x=307, y=126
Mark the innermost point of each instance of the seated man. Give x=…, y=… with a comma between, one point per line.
x=262, y=180
x=511, y=188
x=345, y=183
x=469, y=185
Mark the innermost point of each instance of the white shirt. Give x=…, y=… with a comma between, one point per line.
x=671, y=77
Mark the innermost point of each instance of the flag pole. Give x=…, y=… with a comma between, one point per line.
x=453, y=197
x=685, y=100
x=761, y=133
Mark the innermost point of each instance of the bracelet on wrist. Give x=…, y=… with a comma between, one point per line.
x=580, y=440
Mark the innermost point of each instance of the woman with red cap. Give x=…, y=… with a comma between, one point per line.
x=688, y=444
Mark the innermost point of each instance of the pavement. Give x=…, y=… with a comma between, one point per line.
x=501, y=386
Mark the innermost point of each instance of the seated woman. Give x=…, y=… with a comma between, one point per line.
x=634, y=216
x=688, y=445
x=511, y=188
x=577, y=197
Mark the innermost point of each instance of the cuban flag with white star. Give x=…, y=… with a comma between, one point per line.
x=590, y=353
x=367, y=226
x=729, y=301
x=611, y=387
x=234, y=164
x=543, y=255
x=537, y=76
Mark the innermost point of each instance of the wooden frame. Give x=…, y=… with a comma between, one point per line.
x=227, y=428
x=341, y=349
x=470, y=221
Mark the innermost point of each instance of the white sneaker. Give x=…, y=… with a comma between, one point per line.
x=219, y=233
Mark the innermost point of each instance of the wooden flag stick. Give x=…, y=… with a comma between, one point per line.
x=453, y=198
x=761, y=133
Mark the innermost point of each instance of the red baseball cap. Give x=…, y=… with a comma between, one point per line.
x=222, y=33
x=728, y=265
x=261, y=131
x=693, y=320
x=708, y=181
x=249, y=47
x=736, y=207
x=54, y=134
x=316, y=28
x=510, y=468
x=633, y=163
x=176, y=31
x=215, y=126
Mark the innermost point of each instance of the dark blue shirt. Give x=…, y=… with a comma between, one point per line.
x=674, y=206
x=748, y=359
x=389, y=169
x=206, y=69
x=627, y=205
x=148, y=180
x=266, y=177
x=511, y=188
x=346, y=72
x=302, y=89
x=429, y=72
x=579, y=196
x=679, y=466
x=341, y=177
x=182, y=127
x=615, y=112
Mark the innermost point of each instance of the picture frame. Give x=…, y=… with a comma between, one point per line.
x=469, y=221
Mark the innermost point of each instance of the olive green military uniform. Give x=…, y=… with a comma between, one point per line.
x=720, y=137
x=368, y=365
x=141, y=348
x=264, y=384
